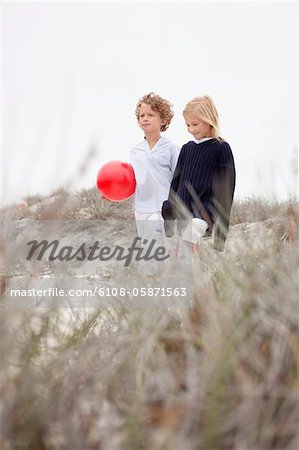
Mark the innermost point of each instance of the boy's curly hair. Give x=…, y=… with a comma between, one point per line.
x=159, y=104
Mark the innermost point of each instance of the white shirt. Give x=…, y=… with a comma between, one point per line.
x=202, y=140
x=154, y=169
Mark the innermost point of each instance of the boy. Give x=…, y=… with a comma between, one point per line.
x=154, y=161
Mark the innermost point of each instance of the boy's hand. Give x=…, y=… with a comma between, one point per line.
x=169, y=218
x=169, y=228
x=102, y=196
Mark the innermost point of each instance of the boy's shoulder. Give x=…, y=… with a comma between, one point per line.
x=139, y=146
x=166, y=142
x=162, y=141
x=163, y=144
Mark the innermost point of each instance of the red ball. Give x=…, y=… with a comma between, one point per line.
x=116, y=181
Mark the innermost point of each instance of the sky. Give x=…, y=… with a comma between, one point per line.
x=72, y=73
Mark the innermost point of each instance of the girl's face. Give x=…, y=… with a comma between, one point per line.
x=149, y=120
x=197, y=127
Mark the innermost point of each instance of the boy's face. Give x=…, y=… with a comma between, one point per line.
x=197, y=127
x=149, y=120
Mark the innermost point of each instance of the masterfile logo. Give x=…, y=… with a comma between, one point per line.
x=91, y=264
x=141, y=249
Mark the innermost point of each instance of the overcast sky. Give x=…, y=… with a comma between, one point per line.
x=73, y=72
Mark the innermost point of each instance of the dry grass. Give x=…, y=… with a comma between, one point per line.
x=255, y=210
x=222, y=375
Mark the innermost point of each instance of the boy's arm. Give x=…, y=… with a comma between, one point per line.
x=131, y=156
x=131, y=160
x=177, y=172
x=223, y=192
x=168, y=207
x=174, y=158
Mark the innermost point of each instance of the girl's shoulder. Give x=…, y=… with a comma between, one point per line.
x=224, y=153
x=208, y=141
x=213, y=142
x=220, y=145
x=189, y=144
x=224, y=146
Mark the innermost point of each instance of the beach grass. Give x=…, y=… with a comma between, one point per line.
x=220, y=375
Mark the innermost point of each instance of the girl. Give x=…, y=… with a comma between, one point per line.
x=202, y=189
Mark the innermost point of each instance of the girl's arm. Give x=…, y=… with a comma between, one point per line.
x=223, y=193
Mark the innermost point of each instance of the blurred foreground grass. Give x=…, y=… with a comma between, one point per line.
x=222, y=375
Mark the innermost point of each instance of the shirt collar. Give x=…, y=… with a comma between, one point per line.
x=159, y=141
x=202, y=140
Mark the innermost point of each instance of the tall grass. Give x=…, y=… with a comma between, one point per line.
x=221, y=375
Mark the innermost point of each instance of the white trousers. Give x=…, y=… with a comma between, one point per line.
x=150, y=226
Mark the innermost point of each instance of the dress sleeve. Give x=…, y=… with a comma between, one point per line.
x=223, y=193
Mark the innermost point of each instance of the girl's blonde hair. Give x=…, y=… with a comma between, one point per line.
x=205, y=109
x=158, y=104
